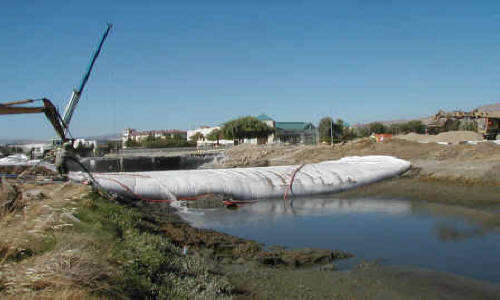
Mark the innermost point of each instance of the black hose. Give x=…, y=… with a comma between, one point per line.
x=92, y=179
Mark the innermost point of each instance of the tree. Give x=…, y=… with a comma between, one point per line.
x=411, y=126
x=245, y=127
x=327, y=128
x=132, y=143
x=377, y=127
x=348, y=134
x=324, y=128
x=416, y=126
x=215, y=135
x=177, y=136
x=452, y=125
x=338, y=130
x=197, y=136
x=362, y=131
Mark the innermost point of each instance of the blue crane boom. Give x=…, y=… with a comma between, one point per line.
x=75, y=96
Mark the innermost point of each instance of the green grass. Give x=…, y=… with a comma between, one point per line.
x=146, y=261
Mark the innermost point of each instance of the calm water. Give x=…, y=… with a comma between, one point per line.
x=395, y=232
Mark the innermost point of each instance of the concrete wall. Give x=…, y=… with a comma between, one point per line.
x=144, y=163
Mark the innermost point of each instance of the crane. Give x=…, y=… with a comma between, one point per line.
x=75, y=96
x=60, y=124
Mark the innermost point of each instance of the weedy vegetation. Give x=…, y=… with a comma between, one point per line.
x=74, y=246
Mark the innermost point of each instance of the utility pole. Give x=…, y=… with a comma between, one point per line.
x=331, y=131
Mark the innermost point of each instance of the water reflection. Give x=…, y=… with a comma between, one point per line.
x=398, y=232
x=299, y=207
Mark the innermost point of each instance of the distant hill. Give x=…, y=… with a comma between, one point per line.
x=426, y=120
x=105, y=137
x=490, y=107
x=21, y=141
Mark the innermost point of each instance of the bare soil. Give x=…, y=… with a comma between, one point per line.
x=453, y=137
x=464, y=163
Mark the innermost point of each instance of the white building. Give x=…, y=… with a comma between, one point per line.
x=36, y=150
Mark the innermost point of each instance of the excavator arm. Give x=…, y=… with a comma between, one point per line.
x=60, y=124
x=50, y=111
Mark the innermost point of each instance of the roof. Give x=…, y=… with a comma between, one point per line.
x=294, y=126
x=264, y=117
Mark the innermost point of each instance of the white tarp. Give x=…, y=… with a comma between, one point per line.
x=17, y=160
x=22, y=160
x=254, y=183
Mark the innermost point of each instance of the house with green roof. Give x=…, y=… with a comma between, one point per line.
x=290, y=132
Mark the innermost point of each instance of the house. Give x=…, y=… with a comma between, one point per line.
x=287, y=132
x=296, y=133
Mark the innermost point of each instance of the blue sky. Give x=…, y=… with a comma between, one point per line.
x=181, y=64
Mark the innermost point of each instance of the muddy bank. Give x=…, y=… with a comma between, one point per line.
x=227, y=249
x=366, y=282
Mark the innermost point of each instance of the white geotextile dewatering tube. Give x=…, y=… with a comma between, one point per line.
x=255, y=183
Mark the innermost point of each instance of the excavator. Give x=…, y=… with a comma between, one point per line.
x=60, y=123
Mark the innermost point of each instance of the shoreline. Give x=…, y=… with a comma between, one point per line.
x=219, y=265
x=229, y=266
x=264, y=281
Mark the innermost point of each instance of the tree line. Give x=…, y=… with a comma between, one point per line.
x=237, y=129
x=329, y=130
x=160, y=142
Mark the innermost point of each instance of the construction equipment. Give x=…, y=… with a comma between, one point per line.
x=48, y=108
x=75, y=96
x=486, y=123
x=60, y=124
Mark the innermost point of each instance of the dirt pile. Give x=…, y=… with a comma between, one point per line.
x=453, y=137
x=248, y=155
x=457, y=162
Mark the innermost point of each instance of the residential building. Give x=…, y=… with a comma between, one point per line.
x=287, y=132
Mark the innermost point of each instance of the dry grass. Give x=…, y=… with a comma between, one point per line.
x=31, y=257
x=101, y=250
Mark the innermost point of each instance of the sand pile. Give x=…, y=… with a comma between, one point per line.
x=453, y=137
